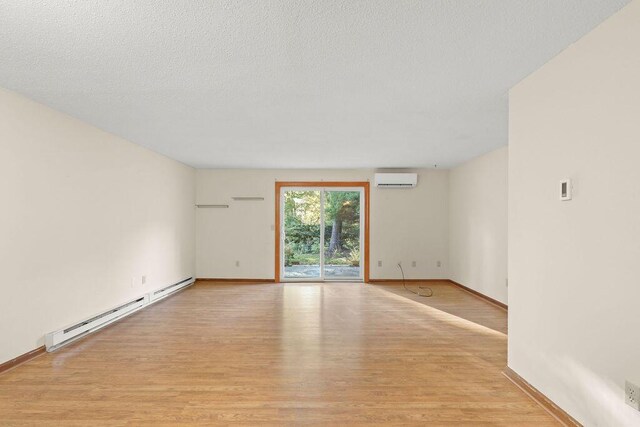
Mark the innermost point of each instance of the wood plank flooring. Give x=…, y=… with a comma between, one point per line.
x=295, y=354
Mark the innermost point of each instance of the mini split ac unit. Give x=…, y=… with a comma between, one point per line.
x=396, y=180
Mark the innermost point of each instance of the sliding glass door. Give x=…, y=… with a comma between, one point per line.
x=301, y=231
x=342, y=240
x=321, y=233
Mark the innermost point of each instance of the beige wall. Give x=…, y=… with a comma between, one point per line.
x=574, y=266
x=406, y=224
x=84, y=215
x=478, y=224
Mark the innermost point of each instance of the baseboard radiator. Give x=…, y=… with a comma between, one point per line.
x=166, y=291
x=55, y=340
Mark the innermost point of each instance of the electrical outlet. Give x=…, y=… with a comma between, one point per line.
x=506, y=282
x=439, y=264
x=632, y=395
x=144, y=280
x=237, y=263
x=413, y=263
x=379, y=263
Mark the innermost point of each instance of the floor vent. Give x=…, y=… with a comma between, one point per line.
x=57, y=339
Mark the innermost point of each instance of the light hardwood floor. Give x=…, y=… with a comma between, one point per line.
x=294, y=354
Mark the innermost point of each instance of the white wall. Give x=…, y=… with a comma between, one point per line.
x=83, y=213
x=478, y=224
x=406, y=225
x=574, y=267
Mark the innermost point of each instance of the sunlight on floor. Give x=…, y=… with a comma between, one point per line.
x=443, y=315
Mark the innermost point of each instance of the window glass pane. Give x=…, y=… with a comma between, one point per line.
x=302, y=234
x=342, y=257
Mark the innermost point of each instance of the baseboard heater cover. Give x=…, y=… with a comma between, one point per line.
x=166, y=291
x=55, y=340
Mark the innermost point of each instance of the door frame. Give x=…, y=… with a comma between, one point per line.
x=357, y=184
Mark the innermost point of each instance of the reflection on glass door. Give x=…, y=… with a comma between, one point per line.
x=321, y=234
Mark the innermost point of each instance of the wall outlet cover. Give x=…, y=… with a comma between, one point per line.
x=632, y=395
x=566, y=189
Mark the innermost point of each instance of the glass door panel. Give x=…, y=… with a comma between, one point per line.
x=342, y=238
x=302, y=237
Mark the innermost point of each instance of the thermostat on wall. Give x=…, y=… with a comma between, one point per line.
x=565, y=189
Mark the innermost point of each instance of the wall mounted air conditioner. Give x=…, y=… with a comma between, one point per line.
x=396, y=180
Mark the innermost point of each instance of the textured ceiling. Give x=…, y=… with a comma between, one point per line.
x=290, y=83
